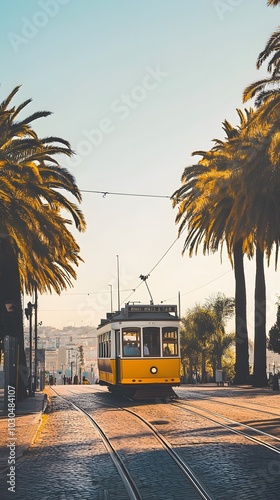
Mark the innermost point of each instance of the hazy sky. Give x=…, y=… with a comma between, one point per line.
x=135, y=86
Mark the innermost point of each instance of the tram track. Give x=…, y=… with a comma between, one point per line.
x=193, y=409
x=191, y=478
x=244, y=407
x=129, y=483
x=186, y=469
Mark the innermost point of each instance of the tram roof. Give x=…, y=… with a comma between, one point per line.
x=143, y=312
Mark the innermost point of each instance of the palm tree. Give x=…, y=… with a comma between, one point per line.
x=203, y=336
x=273, y=3
x=199, y=326
x=267, y=99
x=206, y=202
x=243, y=210
x=223, y=309
x=190, y=349
x=273, y=342
x=259, y=217
x=265, y=134
x=31, y=214
x=257, y=200
x=267, y=90
x=36, y=245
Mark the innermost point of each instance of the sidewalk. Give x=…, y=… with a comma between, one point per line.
x=28, y=417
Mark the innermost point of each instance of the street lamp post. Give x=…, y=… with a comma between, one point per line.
x=28, y=313
x=72, y=362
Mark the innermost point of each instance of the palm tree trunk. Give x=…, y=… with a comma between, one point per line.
x=260, y=377
x=11, y=316
x=241, y=332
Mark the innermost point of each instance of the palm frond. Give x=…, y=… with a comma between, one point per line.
x=35, y=116
x=32, y=205
x=254, y=88
x=7, y=101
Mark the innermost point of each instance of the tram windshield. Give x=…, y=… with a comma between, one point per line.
x=169, y=341
x=157, y=341
x=151, y=340
x=131, y=342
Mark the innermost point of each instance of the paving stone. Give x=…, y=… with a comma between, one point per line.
x=68, y=460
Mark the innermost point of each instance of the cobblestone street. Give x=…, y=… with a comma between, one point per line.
x=68, y=460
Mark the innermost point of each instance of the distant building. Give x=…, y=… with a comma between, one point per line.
x=51, y=360
x=62, y=357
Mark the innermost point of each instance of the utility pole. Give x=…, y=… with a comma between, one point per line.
x=118, y=273
x=111, y=295
x=35, y=335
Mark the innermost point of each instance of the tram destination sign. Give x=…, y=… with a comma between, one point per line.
x=151, y=308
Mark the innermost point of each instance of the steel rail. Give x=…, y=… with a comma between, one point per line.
x=247, y=436
x=240, y=406
x=197, y=484
x=127, y=479
x=186, y=469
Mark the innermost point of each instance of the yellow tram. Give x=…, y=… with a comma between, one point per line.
x=139, y=351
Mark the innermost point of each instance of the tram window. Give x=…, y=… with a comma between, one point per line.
x=131, y=341
x=100, y=353
x=104, y=345
x=169, y=341
x=109, y=345
x=100, y=346
x=151, y=336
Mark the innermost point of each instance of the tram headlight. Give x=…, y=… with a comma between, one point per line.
x=153, y=370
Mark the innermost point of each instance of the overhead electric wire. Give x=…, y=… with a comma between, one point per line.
x=105, y=193
x=91, y=293
x=198, y=288
x=133, y=290
x=205, y=284
x=158, y=262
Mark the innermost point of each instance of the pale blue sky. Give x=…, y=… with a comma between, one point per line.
x=147, y=82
